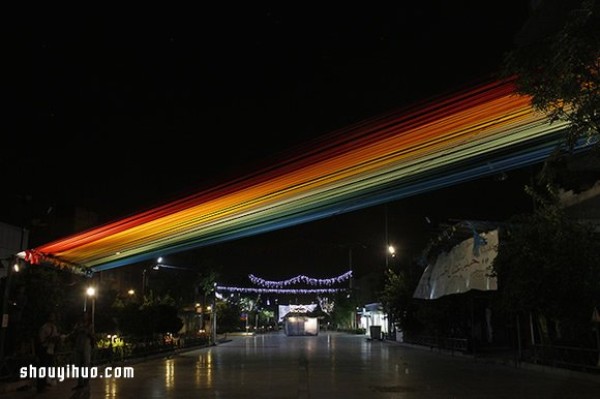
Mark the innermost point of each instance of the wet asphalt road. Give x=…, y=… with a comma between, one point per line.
x=331, y=365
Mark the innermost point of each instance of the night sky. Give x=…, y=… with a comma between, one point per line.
x=117, y=112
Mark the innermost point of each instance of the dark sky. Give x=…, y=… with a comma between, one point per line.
x=117, y=112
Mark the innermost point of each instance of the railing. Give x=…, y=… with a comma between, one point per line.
x=131, y=350
x=440, y=343
x=568, y=357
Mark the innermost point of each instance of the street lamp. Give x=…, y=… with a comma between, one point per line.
x=198, y=316
x=387, y=240
x=91, y=292
x=155, y=266
x=213, y=316
x=391, y=250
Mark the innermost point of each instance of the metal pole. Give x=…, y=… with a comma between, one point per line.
x=598, y=342
x=387, y=242
x=214, y=315
x=353, y=321
x=519, y=352
x=5, y=300
x=390, y=320
x=350, y=258
x=93, y=313
x=143, y=282
x=531, y=331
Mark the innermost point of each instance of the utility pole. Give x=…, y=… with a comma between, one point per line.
x=6, y=297
x=5, y=300
x=214, y=315
x=387, y=241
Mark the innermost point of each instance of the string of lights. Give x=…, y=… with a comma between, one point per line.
x=300, y=279
x=254, y=290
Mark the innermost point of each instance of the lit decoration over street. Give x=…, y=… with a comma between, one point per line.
x=300, y=279
x=256, y=290
x=275, y=287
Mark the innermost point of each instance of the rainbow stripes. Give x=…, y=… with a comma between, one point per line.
x=470, y=134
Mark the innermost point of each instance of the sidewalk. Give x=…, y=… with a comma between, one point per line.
x=60, y=390
x=63, y=390
x=507, y=358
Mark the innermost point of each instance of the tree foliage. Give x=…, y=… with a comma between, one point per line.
x=547, y=264
x=558, y=64
x=148, y=319
x=397, y=295
x=228, y=317
x=344, y=309
x=37, y=291
x=179, y=285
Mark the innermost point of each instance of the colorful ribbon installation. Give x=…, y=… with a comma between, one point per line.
x=480, y=131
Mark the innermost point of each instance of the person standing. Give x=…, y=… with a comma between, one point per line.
x=84, y=343
x=48, y=338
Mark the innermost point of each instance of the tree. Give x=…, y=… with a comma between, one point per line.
x=344, y=309
x=547, y=266
x=557, y=63
x=206, y=283
x=165, y=319
x=397, y=296
x=179, y=285
x=148, y=319
x=228, y=317
x=45, y=292
x=132, y=320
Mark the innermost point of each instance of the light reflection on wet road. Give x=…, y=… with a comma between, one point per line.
x=327, y=366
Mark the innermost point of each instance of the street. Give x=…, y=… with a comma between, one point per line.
x=331, y=365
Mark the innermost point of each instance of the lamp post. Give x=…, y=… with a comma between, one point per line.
x=91, y=292
x=350, y=247
x=387, y=241
x=198, y=315
x=23, y=242
x=145, y=278
x=213, y=317
x=389, y=251
x=4, y=317
x=144, y=281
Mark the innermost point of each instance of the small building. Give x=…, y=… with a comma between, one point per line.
x=299, y=320
x=300, y=324
x=373, y=320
